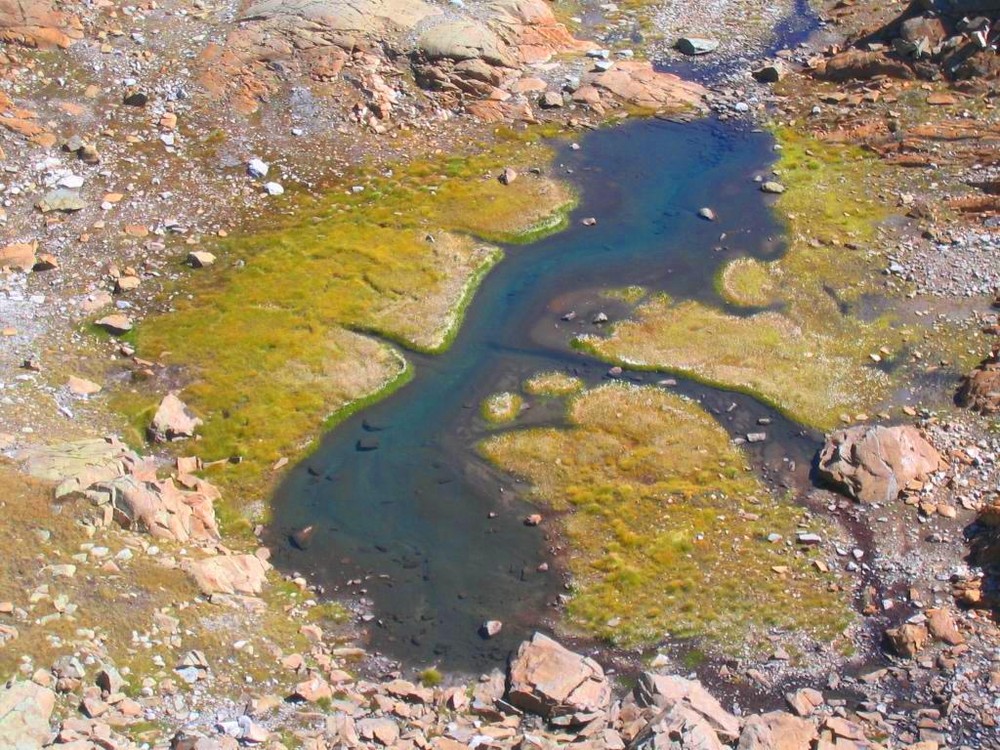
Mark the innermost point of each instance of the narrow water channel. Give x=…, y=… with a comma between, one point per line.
x=411, y=518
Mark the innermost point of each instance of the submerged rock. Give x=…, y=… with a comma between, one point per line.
x=875, y=463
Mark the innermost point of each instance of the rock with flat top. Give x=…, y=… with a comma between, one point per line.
x=229, y=574
x=200, y=259
x=82, y=386
x=19, y=255
x=116, y=324
x=695, y=45
x=548, y=679
x=873, y=464
x=173, y=421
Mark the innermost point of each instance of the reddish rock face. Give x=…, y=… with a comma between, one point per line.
x=856, y=64
x=875, y=464
x=35, y=23
x=980, y=391
x=550, y=680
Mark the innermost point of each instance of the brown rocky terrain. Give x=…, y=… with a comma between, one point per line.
x=128, y=619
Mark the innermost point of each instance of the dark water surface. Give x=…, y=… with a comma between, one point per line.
x=411, y=518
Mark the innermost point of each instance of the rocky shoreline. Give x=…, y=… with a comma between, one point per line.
x=136, y=136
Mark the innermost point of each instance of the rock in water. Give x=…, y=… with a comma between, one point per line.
x=706, y=213
x=490, y=628
x=874, y=464
x=173, y=420
x=775, y=188
x=25, y=709
x=547, y=679
x=693, y=45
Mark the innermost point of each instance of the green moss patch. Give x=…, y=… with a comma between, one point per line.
x=552, y=383
x=501, y=407
x=270, y=348
x=667, y=524
x=749, y=283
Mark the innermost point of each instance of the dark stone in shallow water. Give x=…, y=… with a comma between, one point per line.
x=368, y=444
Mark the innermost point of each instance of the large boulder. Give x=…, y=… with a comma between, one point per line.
x=980, y=390
x=636, y=82
x=777, y=730
x=25, y=709
x=318, y=20
x=229, y=574
x=666, y=691
x=465, y=40
x=548, y=679
x=173, y=420
x=161, y=508
x=874, y=464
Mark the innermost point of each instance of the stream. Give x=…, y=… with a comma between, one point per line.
x=401, y=503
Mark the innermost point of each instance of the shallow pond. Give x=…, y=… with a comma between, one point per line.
x=397, y=494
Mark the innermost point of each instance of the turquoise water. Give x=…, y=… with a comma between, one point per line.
x=411, y=518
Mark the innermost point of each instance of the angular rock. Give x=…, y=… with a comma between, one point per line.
x=61, y=199
x=161, y=509
x=200, y=259
x=980, y=390
x=116, y=323
x=769, y=72
x=19, y=255
x=908, y=639
x=173, y=421
x=777, y=730
x=312, y=690
x=229, y=574
x=694, y=45
x=677, y=727
x=942, y=627
x=25, y=709
x=548, y=679
x=665, y=691
x=875, y=463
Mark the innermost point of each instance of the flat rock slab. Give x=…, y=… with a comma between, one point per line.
x=79, y=464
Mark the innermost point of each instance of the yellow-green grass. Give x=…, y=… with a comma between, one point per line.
x=269, y=352
x=811, y=359
x=119, y=605
x=629, y=294
x=501, y=407
x=552, y=383
x=748, y=282
x=667, y=525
